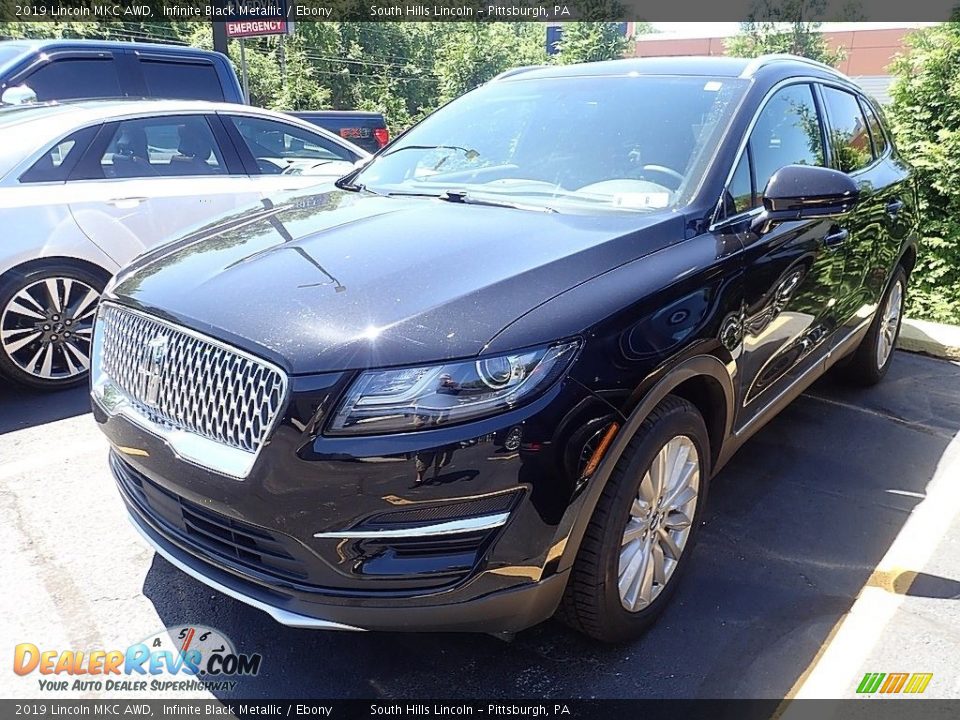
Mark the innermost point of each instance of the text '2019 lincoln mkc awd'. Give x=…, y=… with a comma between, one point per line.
x=487, y=378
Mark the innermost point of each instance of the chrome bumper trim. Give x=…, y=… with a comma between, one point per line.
x=452, y=527
x=284, y=617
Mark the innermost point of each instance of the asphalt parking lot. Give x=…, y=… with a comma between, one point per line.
x=848, y=493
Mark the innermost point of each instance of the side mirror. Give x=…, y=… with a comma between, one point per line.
x=801, y=192
x=18, y=95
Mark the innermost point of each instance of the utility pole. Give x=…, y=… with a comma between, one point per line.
x=220, y=37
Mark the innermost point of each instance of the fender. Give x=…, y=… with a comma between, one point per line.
x=578, y=516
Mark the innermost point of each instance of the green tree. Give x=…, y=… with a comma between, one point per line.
x=925, y=116
x=470, y=54
x=592, y=41
x=788, y=26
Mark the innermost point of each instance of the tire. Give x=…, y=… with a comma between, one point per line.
x=871, y=360
x=45, y=341
x=594, y=602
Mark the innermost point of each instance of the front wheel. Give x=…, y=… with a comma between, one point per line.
x=643, y=527
x=46, y=325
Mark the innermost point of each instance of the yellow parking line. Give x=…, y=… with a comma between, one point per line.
x=835, y=669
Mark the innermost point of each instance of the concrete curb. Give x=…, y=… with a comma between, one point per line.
x=941, y=341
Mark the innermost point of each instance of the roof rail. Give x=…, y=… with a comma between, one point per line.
x=516, y=71
x=758, y=62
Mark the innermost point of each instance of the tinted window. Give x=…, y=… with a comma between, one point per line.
x=189, y=81
x=278, y=147
x=876, y=130
x=75, y=78
x=55, y=164
x=164, y=146
x=740, y=196
x=849, y=136
x=787, y=132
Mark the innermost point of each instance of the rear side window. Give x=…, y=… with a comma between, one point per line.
x=55, y=164
x=181, y=80
x=876, y=129
x=849, y=136
x=72, y=78
x=279, y=147
x=172, y=146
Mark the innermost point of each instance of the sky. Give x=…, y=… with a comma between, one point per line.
x=723, y=29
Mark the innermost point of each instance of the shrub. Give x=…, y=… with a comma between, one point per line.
x=925, y=117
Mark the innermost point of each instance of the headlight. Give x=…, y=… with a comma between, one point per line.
x=387, y=401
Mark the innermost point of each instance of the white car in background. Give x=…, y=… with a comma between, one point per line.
x=86, y=186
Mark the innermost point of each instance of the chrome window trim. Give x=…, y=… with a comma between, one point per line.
x=451, y=527
x=235, y=463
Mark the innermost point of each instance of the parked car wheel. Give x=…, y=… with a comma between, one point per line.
x=643, y=527
x=46, y=324
x=871, y=360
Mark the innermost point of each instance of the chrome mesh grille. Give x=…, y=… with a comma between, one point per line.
x=196, y=384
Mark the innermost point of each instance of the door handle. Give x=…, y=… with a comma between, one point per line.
x=836, y=237
x=126, y=202
x=894, y=207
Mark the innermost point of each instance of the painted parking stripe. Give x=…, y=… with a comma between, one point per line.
x=836, y=668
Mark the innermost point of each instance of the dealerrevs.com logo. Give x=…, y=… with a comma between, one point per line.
x=894, y=683
x=177, y=659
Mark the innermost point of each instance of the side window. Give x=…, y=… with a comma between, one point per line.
x=740, y=194
x=278, y=147
x=71, y=78
x=188, y=81
x=169, y=146
x=786, y=133
x=849, y=136
x=876, y=129
x=55, y=164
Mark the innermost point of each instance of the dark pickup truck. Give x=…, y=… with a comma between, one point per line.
x=71, y=69
x=366, y=129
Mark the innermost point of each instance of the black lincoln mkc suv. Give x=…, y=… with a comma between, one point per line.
x=486, y=379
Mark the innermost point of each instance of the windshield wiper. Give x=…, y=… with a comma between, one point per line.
x=464, y=198
x=469, y=153
x=345, y=184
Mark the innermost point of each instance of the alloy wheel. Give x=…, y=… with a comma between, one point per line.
x=46, y=328
x=890, y=323
x=661, y=518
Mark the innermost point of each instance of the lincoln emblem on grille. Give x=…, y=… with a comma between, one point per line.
x=151, y=365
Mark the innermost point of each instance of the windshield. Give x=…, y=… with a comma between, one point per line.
x=632, y=143
x=10, y=52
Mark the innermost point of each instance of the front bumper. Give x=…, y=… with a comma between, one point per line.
x=501, y=612
x=375, y=533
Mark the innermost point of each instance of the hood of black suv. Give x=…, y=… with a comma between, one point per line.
x=340, y=280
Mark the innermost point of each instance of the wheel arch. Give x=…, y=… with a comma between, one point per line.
x=27, y=266
x=704, y=381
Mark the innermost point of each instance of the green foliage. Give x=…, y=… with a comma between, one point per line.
x=590, y=42
x=925, y=116
x=787, y=28
x=470, y=54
